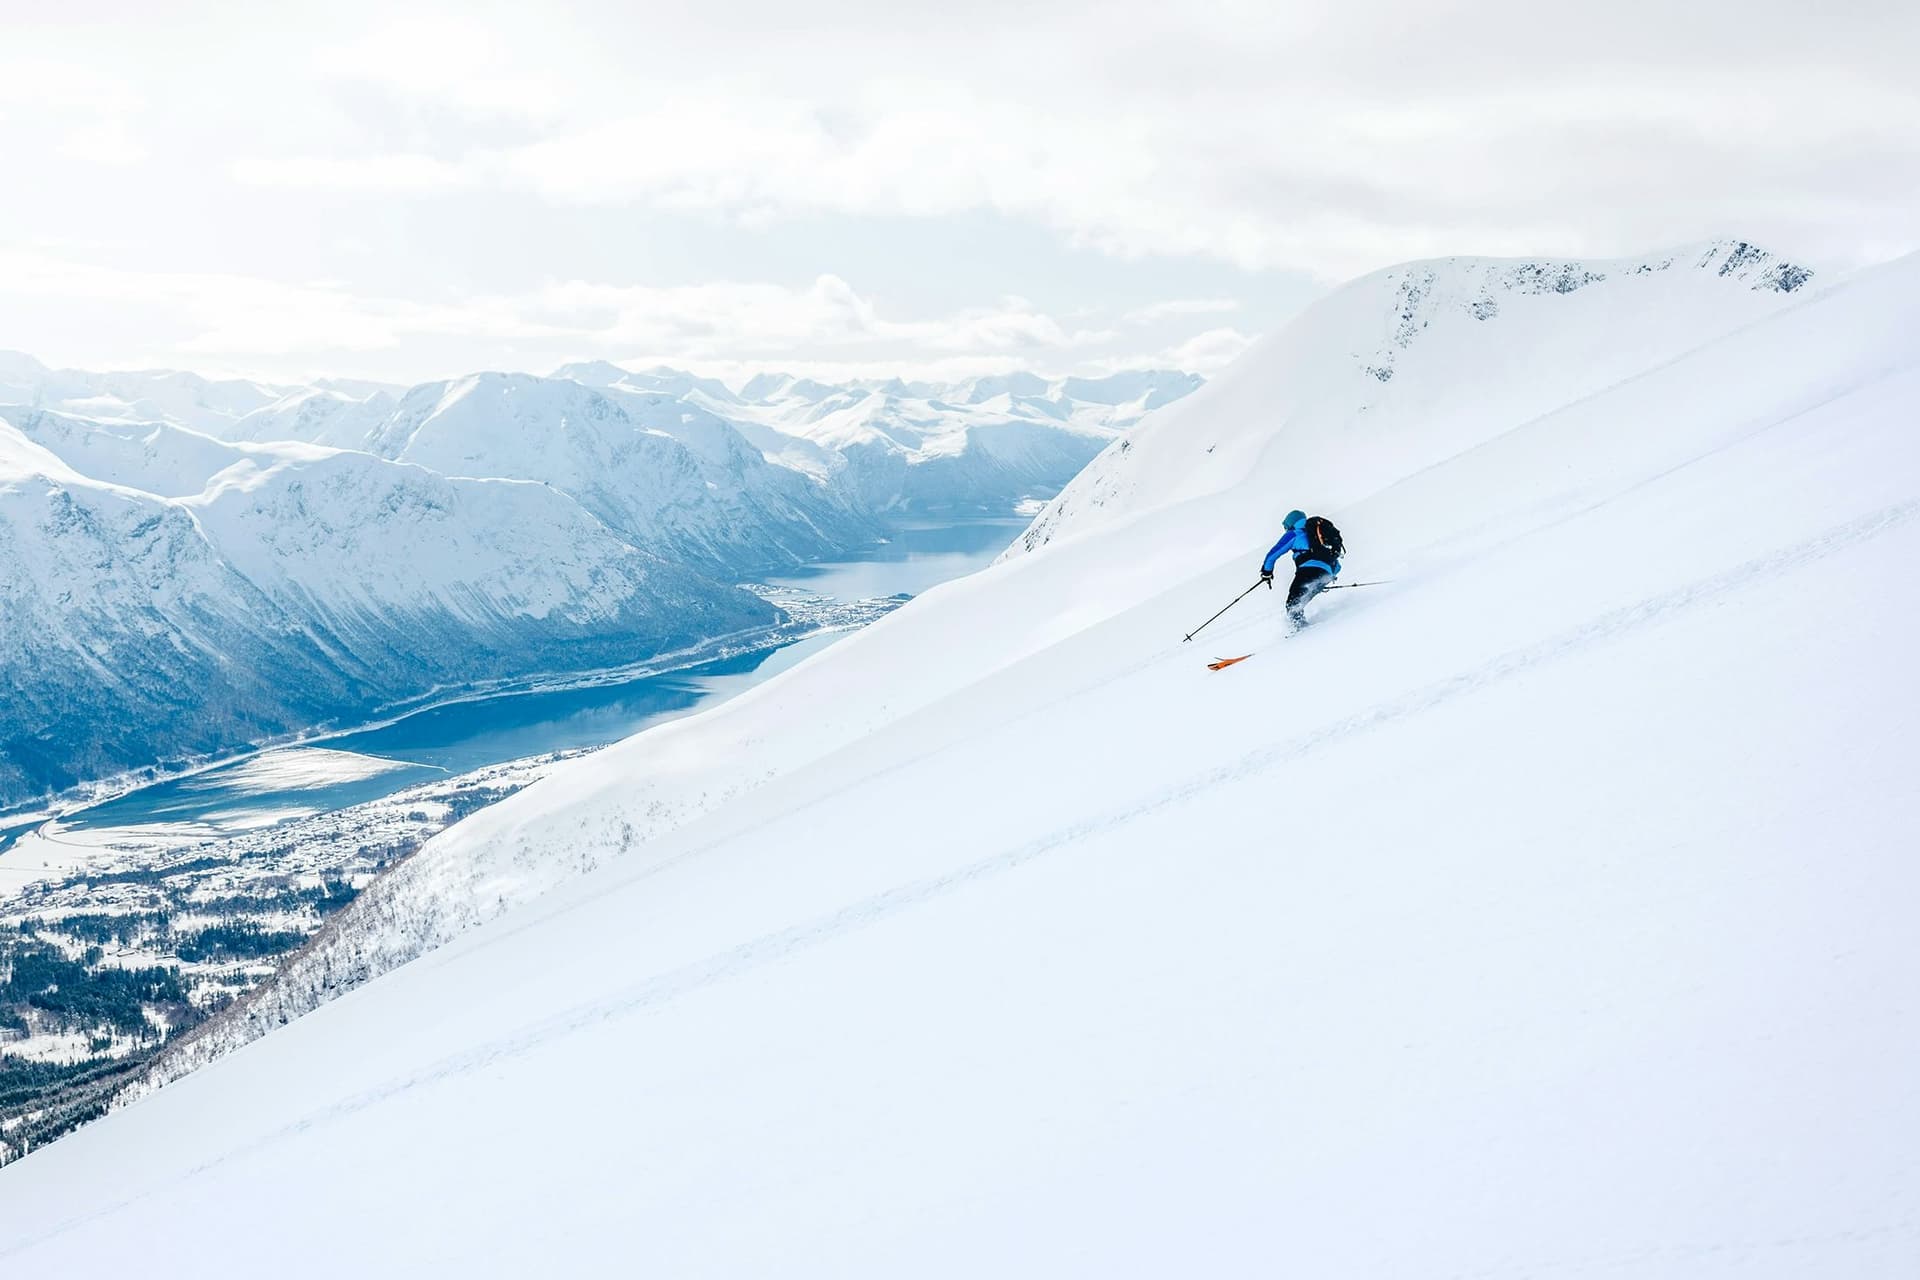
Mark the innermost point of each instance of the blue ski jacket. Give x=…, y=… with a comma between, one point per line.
x=1295, y=540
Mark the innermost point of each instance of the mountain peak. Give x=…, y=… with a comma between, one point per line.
x=765, y=386
x=592, y=373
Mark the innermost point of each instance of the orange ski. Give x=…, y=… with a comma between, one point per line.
x=1220, y=664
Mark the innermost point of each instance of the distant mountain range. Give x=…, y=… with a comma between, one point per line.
x=188, y=565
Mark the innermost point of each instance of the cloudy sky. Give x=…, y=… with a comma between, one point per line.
x=404, y=192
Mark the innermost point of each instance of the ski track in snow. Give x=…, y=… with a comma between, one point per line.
x=772, y=948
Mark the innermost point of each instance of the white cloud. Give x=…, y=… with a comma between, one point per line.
x=1323, y=140
x=1133, y=165
x=715, y=320
x=1154, y=312
x=461, y=60
x=62, y=85
x=77, y=110
x=382, y=172
x=251, y=324
x=236, y=317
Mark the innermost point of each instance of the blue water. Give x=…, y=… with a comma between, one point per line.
x=463, y=736
x=10, y=833
x=916, y=557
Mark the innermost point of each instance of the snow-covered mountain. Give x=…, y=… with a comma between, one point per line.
x=153, y=395
x=117, y=615
x=665, y=475
x=857, y=449
x=158, y=457
x=800, y=456
x=1544, y=910
x=988, y=442
x=341, y=419
x=186, y=596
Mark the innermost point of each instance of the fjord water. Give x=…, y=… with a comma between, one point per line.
x=917, y=557
x=458, y=737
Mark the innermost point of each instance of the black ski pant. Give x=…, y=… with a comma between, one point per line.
x=1308, y=582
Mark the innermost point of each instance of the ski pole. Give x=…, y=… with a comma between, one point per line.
x=1236, y=600
x=1348, y=586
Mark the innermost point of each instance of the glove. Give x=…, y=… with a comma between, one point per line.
x=1266, y=576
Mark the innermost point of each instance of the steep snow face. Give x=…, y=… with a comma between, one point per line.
x=1548, y=906
x=1410, y=366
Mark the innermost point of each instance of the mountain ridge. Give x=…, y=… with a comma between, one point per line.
x=1637, y=312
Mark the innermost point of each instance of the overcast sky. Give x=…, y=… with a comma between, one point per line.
x=407, y=192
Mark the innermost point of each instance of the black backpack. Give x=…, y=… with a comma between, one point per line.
x=1323, y=540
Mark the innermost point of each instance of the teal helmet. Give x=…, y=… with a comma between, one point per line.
x=1294, y=519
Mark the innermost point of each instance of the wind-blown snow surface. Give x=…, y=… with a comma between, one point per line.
x=1545, y=912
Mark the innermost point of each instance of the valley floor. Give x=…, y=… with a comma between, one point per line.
x=198, y=920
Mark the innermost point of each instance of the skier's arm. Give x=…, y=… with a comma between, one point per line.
x=1291, y=540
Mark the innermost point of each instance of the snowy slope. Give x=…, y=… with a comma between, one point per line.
x=1416, y=363
x=1544, y=913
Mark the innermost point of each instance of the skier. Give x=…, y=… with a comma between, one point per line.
x=1316, y=548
